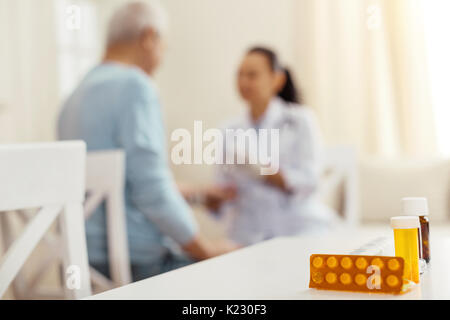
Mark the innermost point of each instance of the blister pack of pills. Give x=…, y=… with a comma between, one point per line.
x=374, y=274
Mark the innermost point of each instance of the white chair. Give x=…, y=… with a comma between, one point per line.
x=105, y=183
x=50, y=177
x=340, y=182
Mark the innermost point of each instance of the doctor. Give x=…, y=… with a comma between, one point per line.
x=285, y=203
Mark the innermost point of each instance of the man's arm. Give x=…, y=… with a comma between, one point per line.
x=150, y=183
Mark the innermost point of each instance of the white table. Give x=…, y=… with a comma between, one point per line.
x=279, y=269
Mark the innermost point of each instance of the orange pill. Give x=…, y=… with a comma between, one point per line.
x=377, y=262
x=332, y=262
x=361, y=263
x=331, y=278
x=318, y=262
x=392, y=281
x=360, y=279
x=317, y=277
x=346, y=263
x=345, y=278
x=393, y=264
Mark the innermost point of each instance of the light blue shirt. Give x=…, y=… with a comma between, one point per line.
x=117, y=107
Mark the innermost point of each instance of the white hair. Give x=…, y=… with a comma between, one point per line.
x=130, y=20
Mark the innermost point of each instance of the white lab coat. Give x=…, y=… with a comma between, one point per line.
x=261, y=211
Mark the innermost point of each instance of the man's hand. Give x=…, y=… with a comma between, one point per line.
x=223, y=247
x=200, y=248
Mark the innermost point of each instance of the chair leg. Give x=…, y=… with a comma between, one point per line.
x=75, y=260
x=17, y=254
x=119, y=260
x=18, y=286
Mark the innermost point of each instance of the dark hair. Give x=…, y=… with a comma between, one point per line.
x=289, y=92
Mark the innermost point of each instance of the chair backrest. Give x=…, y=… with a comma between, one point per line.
x=340, y=182
x=105, y=179
x=50, y=177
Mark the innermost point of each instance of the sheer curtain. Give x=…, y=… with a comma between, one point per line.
x=364, y=69
x=437, y=27
x=362, y=65
x=41, y=60
x=28, y=72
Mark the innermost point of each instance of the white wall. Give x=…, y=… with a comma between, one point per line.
x=206, y=42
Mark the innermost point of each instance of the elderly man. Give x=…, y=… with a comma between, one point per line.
x=117, y=107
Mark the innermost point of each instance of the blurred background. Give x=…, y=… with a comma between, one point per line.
x=375, y=71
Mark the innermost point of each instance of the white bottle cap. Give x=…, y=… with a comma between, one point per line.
x=415, y=206
x=405, y=222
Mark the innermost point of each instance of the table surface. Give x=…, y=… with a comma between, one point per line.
x=279, y=270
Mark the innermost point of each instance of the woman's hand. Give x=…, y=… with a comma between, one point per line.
x=213, y=197
x=277, y=180
x=216, y=196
